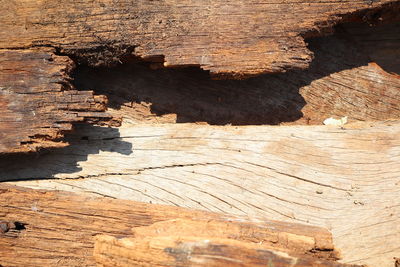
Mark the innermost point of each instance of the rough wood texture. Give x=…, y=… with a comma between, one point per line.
x=37, y=101
x=341, y=81
x=233, y=37
x=344, y=179
x=192, y=251
x=42, y=228
x=212, y=243
x=294, y=238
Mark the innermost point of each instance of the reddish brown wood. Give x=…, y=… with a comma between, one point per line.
x=38, y=103
x=217, y=243
x=49, y=228
x=233, y=37
x=177, y=250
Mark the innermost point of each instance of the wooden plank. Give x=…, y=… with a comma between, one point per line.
x=42, y=228
x=345, y=179
x=234, y=37
x=38, y=103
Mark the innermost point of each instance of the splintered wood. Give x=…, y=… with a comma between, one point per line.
x=341, y=81
x=60, y=229
x=231, y=37
x=217, y=243
x=37, y=101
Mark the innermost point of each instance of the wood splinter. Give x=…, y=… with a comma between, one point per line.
x=38, y=103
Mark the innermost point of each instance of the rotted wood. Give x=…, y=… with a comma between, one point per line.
x=30, y=123
x=354, y=73
x=38, y=103
x=211, y=243
x=230, y=38
x=44, y=228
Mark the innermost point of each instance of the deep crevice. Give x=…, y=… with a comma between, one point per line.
x=147, y=92
x=19, y=226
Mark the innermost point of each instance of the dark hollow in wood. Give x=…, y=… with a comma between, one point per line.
x=342, y=81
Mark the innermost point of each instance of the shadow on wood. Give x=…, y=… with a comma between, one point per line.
x=339, y=82
x=40, y=166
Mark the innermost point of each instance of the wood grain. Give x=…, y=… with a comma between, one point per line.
x=42, y=228
x=232, y=38
x=38, y=102
x=344, y=179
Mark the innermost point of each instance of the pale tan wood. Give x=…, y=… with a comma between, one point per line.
x=234, y=37
x=345, y=179
x=42, y=228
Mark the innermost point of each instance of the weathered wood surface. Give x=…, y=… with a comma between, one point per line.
x=208, y=243
x=42, y=228
x=234, y=37
x=341, y=81
x=193, y=251
x=37, y=101
x=344, y=179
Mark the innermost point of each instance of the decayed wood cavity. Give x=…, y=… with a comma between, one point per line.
x=354, y=73
x=232, y=37
x=38, y=102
